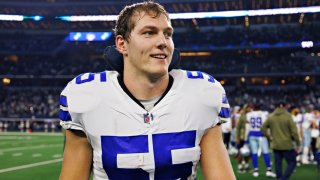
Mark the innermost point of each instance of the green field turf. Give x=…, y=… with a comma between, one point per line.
x=37, y=156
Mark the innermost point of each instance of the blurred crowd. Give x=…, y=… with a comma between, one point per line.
x=233, y=37
x=40, y=102
x=29, y=102
x=298, y=62
x=247, y=64
x=44, y=65
x=242, y=37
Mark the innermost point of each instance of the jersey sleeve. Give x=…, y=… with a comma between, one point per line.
x=68, y=119
x=224, y=113
x=80, y=96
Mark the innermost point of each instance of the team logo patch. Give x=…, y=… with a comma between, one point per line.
x=148, y=118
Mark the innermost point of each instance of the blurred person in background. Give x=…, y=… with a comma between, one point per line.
x=318, y=139
x=257, y=141
x=298, y=119
x=308, y=118
x=282, y=135
x=234, y=121
x=242, y=140
x=226, y=130
x=314, y=135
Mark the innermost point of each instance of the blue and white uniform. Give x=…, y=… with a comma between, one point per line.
x=130, y=142
x=308, y=117
x=256, y=138
x=298, y=120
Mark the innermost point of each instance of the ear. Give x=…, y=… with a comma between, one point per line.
x=121, y=45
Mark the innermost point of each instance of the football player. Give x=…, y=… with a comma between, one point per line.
x=257, y=140
x=298, y=119
x=308, y=118
x=147, y=122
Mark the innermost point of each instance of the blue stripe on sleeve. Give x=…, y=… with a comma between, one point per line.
x=225, y=112
x=63, y=101
x=225, y=99
x=103, y=77
x=64, y=115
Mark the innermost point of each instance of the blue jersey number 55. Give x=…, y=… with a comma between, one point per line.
x=162, y=146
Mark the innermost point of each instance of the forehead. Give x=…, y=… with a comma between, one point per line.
x=143, y=19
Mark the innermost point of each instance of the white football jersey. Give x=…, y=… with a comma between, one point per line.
x=131, y=143
x=307, y=119
x=256, y=119
x=298, y=119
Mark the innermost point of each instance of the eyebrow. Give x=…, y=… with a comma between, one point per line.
x=155, y=28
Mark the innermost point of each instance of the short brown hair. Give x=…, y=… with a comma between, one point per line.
x=125, y=23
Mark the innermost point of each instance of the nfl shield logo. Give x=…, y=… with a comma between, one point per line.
x=147, y=118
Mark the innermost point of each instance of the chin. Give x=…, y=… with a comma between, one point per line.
x=159, y=72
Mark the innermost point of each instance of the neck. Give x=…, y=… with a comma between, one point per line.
x=144, y=87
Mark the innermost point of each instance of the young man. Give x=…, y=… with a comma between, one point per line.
x=146, y=123
x=257, y=140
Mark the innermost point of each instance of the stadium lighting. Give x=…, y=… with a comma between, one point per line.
x=307, y=44
x=191, y=15
x=5, y=17
x=307, y=78
x=76, y=36
x=195, y=54
x=200, y=15
x=203, y=15
x=89, y=36
x=106, y=35
x=89, y=18
x=37, y=18
x=6, y=81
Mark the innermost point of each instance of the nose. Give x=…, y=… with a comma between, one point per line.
x=162, y=42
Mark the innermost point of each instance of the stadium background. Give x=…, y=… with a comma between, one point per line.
x=258, y=59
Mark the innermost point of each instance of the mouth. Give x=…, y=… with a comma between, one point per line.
x=159, y=56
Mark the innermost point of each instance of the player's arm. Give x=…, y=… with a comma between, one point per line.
x=77, y=158
x=215, y=162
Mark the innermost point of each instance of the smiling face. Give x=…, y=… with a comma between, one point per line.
x=149, y=48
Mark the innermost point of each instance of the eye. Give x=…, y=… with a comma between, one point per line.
x=168, y=34
x=149, y=33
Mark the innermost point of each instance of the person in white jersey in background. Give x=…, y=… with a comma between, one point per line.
x=298, y=119
x=257, y=140
x=308, y=118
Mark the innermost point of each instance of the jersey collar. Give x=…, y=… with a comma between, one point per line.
x=125, y=89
